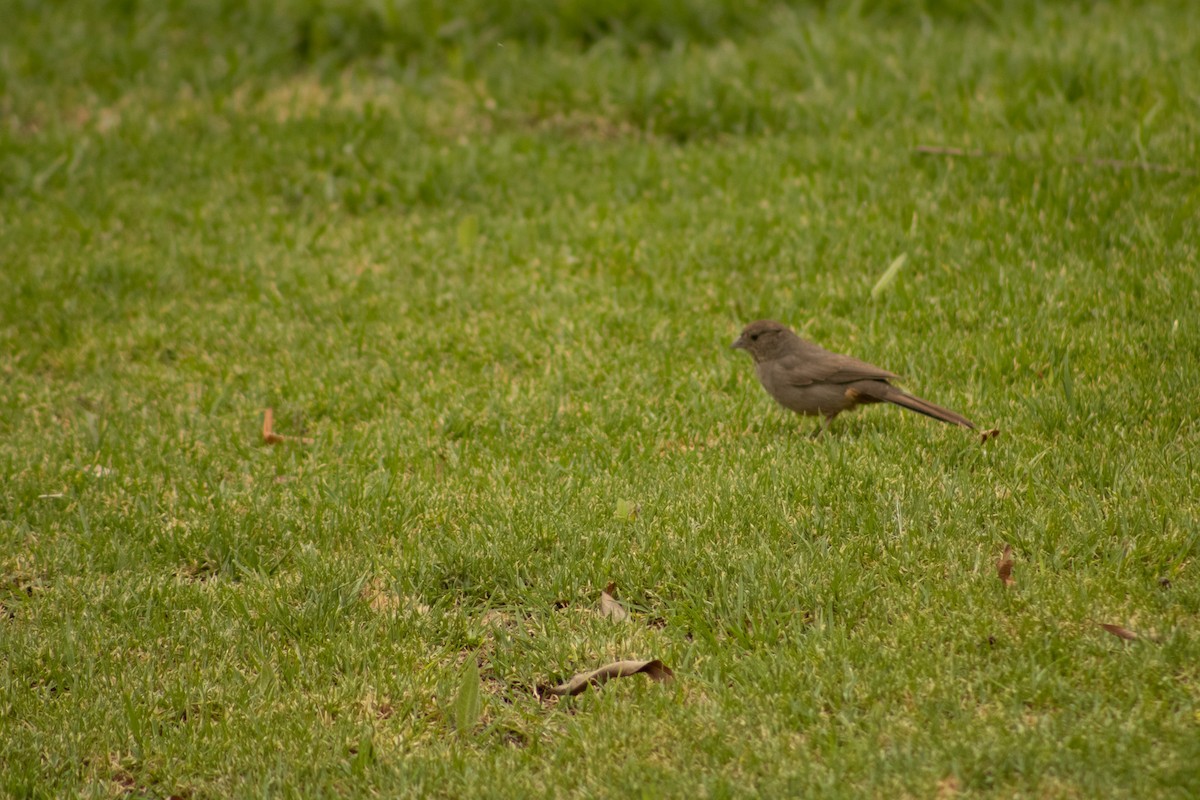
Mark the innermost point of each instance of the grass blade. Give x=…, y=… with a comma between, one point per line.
x=889, y=276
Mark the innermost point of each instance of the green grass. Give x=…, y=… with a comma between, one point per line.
x=494, y=272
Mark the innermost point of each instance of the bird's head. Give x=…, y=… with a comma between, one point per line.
x=764, y=339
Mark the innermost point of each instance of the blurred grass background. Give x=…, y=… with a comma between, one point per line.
x=490, y=256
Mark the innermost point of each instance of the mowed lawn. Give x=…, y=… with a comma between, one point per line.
x=485, y=261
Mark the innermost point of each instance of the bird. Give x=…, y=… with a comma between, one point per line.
x=810, y=380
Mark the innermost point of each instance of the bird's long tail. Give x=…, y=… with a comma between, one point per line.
x=890, y=394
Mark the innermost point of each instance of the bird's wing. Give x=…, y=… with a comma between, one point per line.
x=802, y=370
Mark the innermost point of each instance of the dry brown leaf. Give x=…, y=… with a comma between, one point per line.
x=379, y=597
x=989, y=434
x=383, y=600
x=948, y=787
x=271, y=437
x=497, y=618
x=1004, y=566
x=609, y=607
x=1119, y=632
x=653, y=669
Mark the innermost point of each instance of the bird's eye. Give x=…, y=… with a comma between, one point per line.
x=754, y=336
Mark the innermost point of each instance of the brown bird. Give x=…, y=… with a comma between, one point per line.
x=812, y=381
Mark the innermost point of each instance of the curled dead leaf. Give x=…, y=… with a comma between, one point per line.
x=653, y=669
x=1004, y=566
x=609, y=607
x=271, y=437
x=1119, y=632
x=988, y=434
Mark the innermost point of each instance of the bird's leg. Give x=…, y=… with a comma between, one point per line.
x=821, y=429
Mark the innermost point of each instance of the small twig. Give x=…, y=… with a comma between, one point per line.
x=1111, y=163
x=955, y=152
x=1147, y=166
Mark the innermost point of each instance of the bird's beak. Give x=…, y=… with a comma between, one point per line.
x=739, y=343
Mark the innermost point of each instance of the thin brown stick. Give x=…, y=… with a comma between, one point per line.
x=1110, y=163
x=954, y=152
x=1147, y=166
